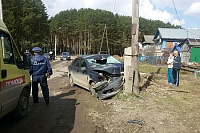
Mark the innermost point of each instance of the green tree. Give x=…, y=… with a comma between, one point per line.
x=27, y=21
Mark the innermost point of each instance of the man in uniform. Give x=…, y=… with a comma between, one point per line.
x=51, y=55
x=40, y=71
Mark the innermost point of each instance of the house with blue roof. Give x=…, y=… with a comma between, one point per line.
x=165, y=38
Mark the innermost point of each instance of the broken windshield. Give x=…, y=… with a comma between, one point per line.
x=102, y=62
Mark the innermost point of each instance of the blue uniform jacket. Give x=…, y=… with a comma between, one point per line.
x=40, y=65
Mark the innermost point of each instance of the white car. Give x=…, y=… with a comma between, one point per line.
x=65, y=56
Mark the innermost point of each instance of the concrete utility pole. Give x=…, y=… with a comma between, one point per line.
x=135, y=28
x=1, y=10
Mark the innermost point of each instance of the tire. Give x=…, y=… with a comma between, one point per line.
x=92, y=91
x=22, y=105
x=71, y=81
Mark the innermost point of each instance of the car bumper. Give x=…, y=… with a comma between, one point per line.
x=65, y=58
x=105, y=90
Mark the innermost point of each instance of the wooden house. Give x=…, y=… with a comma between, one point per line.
x=190, y=50
x=165, y=38
x=148, y=47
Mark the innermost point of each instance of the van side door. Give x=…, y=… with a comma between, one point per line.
x=12, y=82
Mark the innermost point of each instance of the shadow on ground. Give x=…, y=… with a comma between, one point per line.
x=149, y=79
x=57, y=117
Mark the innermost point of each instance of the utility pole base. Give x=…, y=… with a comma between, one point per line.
x=128, y=70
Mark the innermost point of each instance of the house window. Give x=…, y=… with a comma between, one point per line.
x=158, y=46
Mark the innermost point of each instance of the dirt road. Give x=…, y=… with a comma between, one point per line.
x=65, y=113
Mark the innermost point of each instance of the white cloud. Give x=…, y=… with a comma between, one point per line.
x=122, y=7
x=180, y=4
x=55, y=6
x=194, y=10
x=147, y=11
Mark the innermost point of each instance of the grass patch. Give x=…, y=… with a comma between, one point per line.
x=148, y=68
x=124, y=96
x=172, y=99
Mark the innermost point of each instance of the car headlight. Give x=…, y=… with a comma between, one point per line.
x=101, y=76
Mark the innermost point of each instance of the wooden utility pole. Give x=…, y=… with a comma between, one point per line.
x=135, y=28
x=1, y=10
x=105, y=32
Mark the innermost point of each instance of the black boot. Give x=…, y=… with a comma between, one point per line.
x=47, y=102
x=35, y=101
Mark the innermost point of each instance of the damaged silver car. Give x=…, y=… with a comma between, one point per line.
x=101, y=74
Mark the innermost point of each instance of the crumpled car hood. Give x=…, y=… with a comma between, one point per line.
x=111, y=69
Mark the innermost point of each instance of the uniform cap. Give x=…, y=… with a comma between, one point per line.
x=36, y=49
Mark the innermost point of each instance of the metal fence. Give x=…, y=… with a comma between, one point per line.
x=154, y=60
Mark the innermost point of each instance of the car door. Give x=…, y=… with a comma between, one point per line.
x=74, y=70
x=83, y=74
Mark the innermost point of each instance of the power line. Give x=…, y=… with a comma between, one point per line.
x=108, y=4
x=176, y=12
x=119, y=5
x=114, y=6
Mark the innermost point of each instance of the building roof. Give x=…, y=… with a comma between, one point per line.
x=148, y=39
x=169, y=33
x=192, y=42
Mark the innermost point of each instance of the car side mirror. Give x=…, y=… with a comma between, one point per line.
x=26, y=62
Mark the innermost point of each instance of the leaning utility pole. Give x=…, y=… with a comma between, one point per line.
x=135, y=28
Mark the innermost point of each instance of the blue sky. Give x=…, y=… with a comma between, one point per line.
x=188, y=10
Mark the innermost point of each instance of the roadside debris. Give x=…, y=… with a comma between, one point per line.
x=135, y=121
x=184, y=91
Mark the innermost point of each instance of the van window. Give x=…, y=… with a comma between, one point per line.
x=8, y=56
x=10, y=52
x=17, y=57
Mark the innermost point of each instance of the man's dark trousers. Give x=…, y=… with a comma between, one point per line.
x=176, y=76
x=42, y=79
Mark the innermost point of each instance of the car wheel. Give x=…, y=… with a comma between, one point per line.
x=22, y=106
x=71, y=81
x=92, y=91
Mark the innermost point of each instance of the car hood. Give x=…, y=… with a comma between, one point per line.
x=114, y=69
